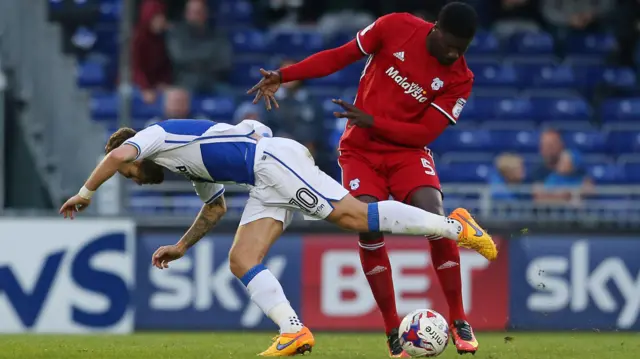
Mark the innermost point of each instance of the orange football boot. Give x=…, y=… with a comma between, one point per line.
x=472, y=236
x=290, y=344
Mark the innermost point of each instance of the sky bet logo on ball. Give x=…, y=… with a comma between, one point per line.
x=66, y=277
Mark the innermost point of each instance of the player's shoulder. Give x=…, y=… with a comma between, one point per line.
x=402, y=19
x=461, y=71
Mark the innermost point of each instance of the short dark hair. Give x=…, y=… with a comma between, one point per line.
x=118, y=138
x=458, y=19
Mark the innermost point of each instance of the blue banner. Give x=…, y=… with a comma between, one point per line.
x=571, y=282
x=198, y=292
x=66, y=277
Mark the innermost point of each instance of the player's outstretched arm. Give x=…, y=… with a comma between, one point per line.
x=105, y=170
x=321, y=64
x=209, y=215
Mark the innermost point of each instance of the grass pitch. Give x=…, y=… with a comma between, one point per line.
x=561, y=345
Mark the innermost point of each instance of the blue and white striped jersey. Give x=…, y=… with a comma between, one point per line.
x=206, y=152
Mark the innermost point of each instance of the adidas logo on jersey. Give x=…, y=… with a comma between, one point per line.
x=399, y=55
x=410, y=88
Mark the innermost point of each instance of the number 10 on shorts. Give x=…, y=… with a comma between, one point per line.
x=428, y=167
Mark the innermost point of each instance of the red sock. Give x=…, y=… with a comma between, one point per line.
x=445, y=256
x=377, y=269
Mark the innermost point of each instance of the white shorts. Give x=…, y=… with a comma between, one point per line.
x=287, y=179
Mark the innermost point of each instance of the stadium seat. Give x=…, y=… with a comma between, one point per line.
x=104, y=106
x=513, y=108
x=495, y=76
x=463, y=141
x=84, y=38
x=555, y=109
x=245, y=74
x=623, y=141
x=484, y=43
x=622, y=77
x=235, y=12
x=91, y=74
x=531, y=43
x=520, y=141
x=249, y=41
x=473, y=172
x=586, y=141
x=554, y=77
x=631, y=171
x=295, y=43
x=620, y=110
x=110, y=10
x=605, y=173
x=591, y=44
x=107, y=40
x=144, y=111
x=220, y=108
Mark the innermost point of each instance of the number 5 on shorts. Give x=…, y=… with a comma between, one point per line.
x=428, y=167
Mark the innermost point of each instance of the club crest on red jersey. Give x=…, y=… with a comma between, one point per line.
x=437, y=84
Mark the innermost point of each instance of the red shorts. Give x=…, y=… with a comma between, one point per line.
x=381, y=175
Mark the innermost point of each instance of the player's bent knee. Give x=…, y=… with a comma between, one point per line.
x=251, y=244
x=240, y=263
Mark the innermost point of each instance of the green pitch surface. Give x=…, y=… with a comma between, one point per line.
x=329, y=345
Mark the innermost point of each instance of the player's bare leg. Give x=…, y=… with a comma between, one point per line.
x=445, y=257
x=399, y=218
x=377, y=269
x=251, y=244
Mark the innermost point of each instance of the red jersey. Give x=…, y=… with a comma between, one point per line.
x=412, y=97
x=402, y=80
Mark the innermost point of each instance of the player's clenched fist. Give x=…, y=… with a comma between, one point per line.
x=356, y=116
x=267, y=87
x=166, y=254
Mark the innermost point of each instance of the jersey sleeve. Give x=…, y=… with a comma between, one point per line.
x=148, y=141
x=208, y=192
x=370, y=39
x=452, y=101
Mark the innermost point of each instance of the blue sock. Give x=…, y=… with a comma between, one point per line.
x=251, y=273
x=373, y=217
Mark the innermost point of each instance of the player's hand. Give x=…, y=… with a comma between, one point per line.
x=267, y=87
x=74, y=204
x=356, y=116
x=166, y=254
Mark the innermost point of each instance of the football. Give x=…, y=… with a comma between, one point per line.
x=424, y=333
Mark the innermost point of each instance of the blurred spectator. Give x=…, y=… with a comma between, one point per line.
x=177, y=103
x=283, y=12
x=551, y=147
x=581, y=15
x=149, y=61
x=347, y=16
x=510, y=16
x=201, y=55
x=298, y=116
x=568, y=181
x=561, y=173
x=627, y=24
x=509, y=173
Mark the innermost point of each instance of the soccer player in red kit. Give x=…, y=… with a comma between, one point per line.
x=414, y=85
